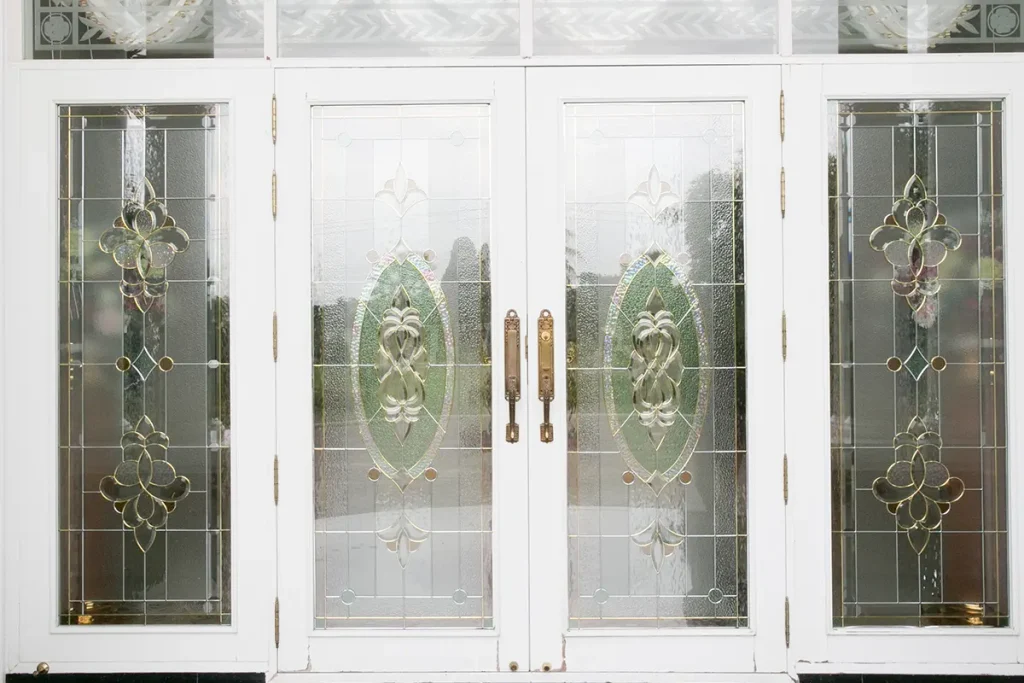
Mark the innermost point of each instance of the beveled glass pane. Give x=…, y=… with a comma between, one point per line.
x=144, y=485
x=386, y=28
x=670, y=27
x=918, y=378
x=119, y=29
x=911, y=26
x=655, y=367
x=402, y=366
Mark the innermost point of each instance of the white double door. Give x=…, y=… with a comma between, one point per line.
x=630, y=207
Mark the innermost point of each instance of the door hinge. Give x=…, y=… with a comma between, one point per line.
x=785, y=339
x=274, y=333
x=787, y=622
x=276, y=624
x=276, y=480
x=781, y=193
x=273, y=195
x=273, y=118
x=785, y=479
x=782, y=116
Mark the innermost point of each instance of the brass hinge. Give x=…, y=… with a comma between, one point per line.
x=781, y=115
x=275, y=336
x=273, y=118
x=276, y=481
x=276, y=624
x=273, y=195
x=785, y=479
x=787, y=622
x=785, y=338
x=781, y=191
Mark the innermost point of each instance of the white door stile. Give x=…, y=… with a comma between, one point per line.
x=761, y=647
x=31, y=553
x=817, y=645
x=362, y=650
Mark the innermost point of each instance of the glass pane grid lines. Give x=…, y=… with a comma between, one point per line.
x=919, y=453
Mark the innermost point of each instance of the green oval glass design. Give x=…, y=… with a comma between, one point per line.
x=656, y=362
x=402, y=345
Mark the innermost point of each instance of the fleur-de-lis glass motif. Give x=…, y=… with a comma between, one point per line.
x=143, y=242
x=656, y=368
x=401, y=193
x=659, y=541
x=144, y=488
x=653, y=194
x=403, y=538
x=915, y=239
x=401, y=364
x=917, y=488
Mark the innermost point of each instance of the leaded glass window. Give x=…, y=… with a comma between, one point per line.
x=918, y=368
x=402, y=366
x=655, y=366
x=145, y=413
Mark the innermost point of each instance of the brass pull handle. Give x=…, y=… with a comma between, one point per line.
x=512, y=385
x=546, y=371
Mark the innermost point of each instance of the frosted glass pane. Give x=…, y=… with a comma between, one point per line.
x=116, y=29
x=655, y=367
x=144, y=464
x=860, y=26
x=449, y=28
x=918, y=378
x=402, y=366
x=616, y=27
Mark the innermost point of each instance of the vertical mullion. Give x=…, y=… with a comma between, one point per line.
x=525, y=28
x=270, y=46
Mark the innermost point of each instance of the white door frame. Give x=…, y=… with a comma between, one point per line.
x=31, y=371
x=761, y=647
x=817, y=646
x=425, y=650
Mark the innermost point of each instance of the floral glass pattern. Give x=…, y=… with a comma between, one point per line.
x=919, y=527
x=144, y=457
x=402, y=366
x=655, y=365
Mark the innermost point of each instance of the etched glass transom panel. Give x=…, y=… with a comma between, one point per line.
x=917, y=364
x=655, y=365
x=402, y=366
x=388, y=28
x=144, y=460
x=134, y=29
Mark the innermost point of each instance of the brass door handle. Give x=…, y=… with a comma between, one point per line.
x=546, y=371
x=512, y=384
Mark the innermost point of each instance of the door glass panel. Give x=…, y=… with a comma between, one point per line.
x=144, y=485
x=402, y=366
x=388, y=28
x=914, y=26
x=918, y=376
x=655, y=367
x=671, y=27
x=119, y=29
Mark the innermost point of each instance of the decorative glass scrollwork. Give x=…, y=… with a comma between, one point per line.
x=403, y=385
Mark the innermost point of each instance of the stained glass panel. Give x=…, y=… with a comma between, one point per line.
x=402, y=366
x=655, y=367
x=911, y=26
x=918, y=376
x=144, y=460
x=119, y=29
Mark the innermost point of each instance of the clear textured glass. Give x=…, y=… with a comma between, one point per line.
x=450, y=28
x=402, y=366
x=105, y=29
x=917, y=364
x=655, y=366
x=912, y=26
x=144, y=464
x=616, y=27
